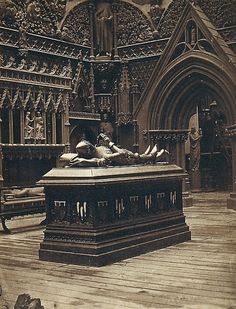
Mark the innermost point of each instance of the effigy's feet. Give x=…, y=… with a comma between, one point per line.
x=147, y=151
x=162, y=156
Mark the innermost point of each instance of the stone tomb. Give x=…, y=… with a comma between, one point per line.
x=96, y=216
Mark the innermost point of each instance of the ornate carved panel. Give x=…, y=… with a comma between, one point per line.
x=140, y=71
x=171, y=17
x=76, y=27
x=132, y=27
x=220, y=13
x=146, y=49
x=40, y=16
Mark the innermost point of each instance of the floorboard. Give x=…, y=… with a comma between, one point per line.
x=199, y=274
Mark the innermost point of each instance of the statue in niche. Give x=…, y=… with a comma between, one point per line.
x=193, y=35
x=33, y=10
x=106, y=153
x=29, y=129
x=106, y=126
x=104, y=28
x=39, y=126
x=8, y=9
x=23, y=43
x=195, y=155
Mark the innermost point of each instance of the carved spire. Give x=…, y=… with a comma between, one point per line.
x=124, y=113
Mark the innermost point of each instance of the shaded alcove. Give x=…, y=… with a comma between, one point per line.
x=194, y=96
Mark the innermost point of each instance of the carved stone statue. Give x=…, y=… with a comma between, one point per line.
x=32, y=10
x=39, y=127
x=29, y=130
x=106, y=127
x=8, y=9
x=106, y=153
x=104, y=28
x=195, y=155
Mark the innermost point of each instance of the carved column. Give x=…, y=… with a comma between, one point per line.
x=1, y=56
x=10, y=126
x=91, y=76
x=135, y=95
x=1, y=176
x=0, y=126
x=91, y=17
x=115, y=8
x=67, y=125
x=136, y=136
x=231, y=132
x=22, y=126
x=54, y=130
x=124, y=113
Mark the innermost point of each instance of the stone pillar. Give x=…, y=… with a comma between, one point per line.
x=22, y=126
x=54, y=133
x=67, y=125
x=174, y=142
x=231, y=132
x=115, y=7
x=10, y=126
x=91, y=76
x=1, y=176
x=91, y=17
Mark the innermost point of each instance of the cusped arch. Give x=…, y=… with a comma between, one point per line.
x=188, y=72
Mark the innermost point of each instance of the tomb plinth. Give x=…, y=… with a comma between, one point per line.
x=96, y=216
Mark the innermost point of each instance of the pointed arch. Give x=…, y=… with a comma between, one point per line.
x=29, y=103
x=184, y=76
x=18, y=101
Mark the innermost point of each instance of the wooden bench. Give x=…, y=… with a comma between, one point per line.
x=22, y=206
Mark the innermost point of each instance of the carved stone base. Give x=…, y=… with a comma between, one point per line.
x=231, y=201
x=101, y=215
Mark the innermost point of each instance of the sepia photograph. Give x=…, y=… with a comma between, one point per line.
x=117, y=154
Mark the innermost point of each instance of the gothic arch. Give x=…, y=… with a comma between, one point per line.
x=185, y=76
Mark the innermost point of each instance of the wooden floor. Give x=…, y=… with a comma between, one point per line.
x=200, y=273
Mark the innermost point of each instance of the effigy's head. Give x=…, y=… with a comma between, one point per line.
x=85, y=149
x=102, y=140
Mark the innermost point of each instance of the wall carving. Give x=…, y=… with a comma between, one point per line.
x=41, y=16
x=220, y=13
x=140, y=71
x=156, y=12
x=171, y=17
x=33, y=99
x=146, y=49
x=76, y=27
x=132, y=26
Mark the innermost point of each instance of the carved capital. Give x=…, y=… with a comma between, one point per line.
x=124, y=119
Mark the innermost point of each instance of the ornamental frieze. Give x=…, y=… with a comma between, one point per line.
x=28, y=99
x=50, y=46
x=143, y=50
x=166, y=135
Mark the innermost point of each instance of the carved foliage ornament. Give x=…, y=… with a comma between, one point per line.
x=220, y=12
x=42, y=16
x=76, y=27
x=132, y=26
